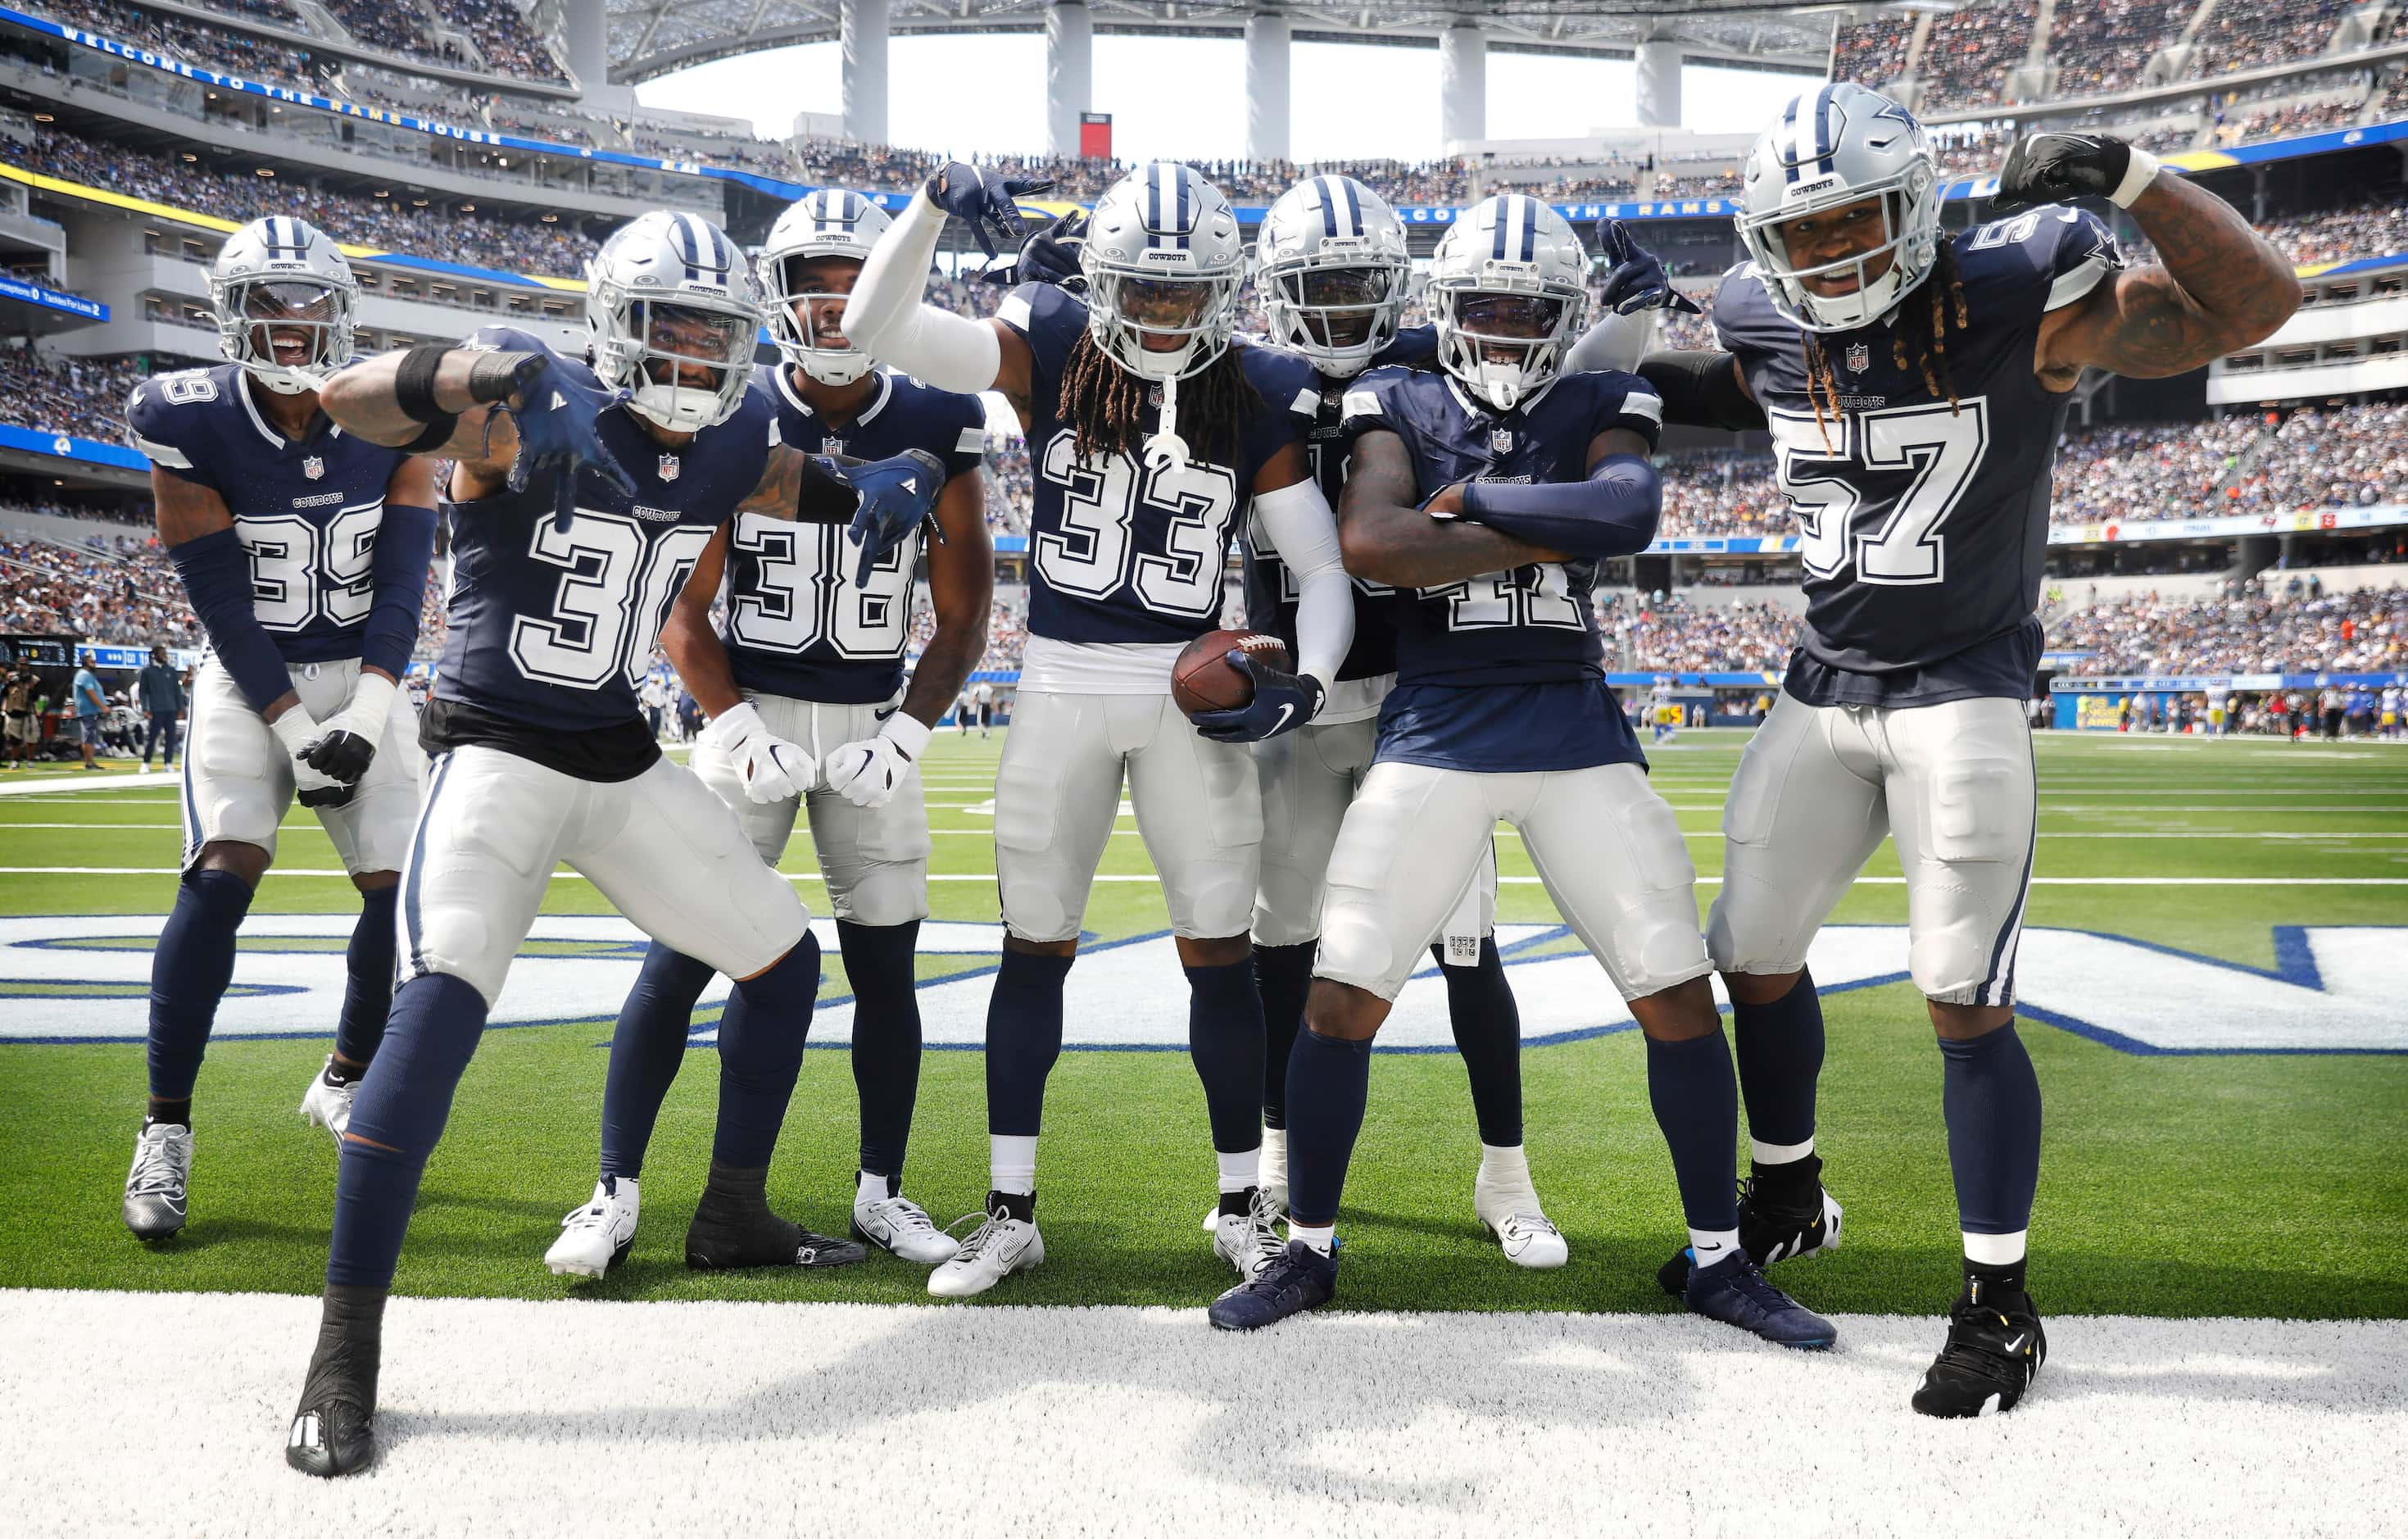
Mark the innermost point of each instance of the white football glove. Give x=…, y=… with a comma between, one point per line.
x=868, y=772
x=297, y=730
x=770, y=767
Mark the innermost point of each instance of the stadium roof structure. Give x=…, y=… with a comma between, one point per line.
x=652, y=37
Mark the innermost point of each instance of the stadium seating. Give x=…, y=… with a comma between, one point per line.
x=2258, y=632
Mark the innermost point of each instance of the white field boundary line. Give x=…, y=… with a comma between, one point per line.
x=1510, y=881
x=750, y=1417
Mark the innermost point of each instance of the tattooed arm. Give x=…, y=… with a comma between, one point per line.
x=796, y=486
x=1382, y=534
x=2222, y=286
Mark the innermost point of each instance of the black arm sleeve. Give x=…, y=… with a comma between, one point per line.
x=1701, y=389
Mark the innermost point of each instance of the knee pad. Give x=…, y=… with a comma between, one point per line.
x=1949, y=961
x=1749, y=928
x=881, y=896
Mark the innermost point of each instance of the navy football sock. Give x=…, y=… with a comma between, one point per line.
x=367, y=996
x=1225, y=1038
x=760, y=1037
x=1488, y=1036
x=878, y=962
x=397, y=1115
x=1991, y=1097
x=647, y=1050
x=1690, y=1086
x=1780, y=1051
x=188, y=975
x=1024, y=1037
x=1328, y=1081
x=1282, y=976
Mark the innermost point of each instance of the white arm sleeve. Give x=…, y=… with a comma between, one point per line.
x=1615, y=343
x=884, y=315
x=1298, y=521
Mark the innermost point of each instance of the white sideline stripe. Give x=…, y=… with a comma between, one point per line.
x=803, y=834
x=1145, y=1421
x=81, y=781
x=1510, y=881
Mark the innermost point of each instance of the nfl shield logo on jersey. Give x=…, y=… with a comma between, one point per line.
x=668, y=468
x=1502, y=440
x=1860, y=357
x=313, y=467
x=832, y=446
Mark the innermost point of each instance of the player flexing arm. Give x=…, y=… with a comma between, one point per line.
x=1473, y=527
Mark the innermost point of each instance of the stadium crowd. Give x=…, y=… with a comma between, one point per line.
x=2255, y=631
x=110, y=589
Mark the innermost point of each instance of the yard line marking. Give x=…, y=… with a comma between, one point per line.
x=1514, y=881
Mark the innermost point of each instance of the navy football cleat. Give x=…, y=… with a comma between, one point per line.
x=731, y=1235
x=1733, y=1291
x=1784, y=1223
x=1994, y=1348
x=1300, y=1278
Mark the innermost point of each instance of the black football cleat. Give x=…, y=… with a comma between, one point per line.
x=1780, y=1220
x=730, y=1236
x=1733, y=1291
x=1297, y=1279
x=1994, y=1348
x=333, y=1430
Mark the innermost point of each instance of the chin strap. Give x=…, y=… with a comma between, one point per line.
x=1166, y=448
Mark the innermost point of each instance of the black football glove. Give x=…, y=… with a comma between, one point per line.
x=1638, y=281
x=985, y=200
x=1049, y=257
x=2060, y=167
x=1282, y=702
x=338, y=756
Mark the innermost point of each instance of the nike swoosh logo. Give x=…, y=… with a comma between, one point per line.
x=1285, y=712
x=1707, y=1250
x=2016, y=1346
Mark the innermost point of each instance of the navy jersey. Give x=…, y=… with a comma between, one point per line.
x=1272, y=591
x=554, y=629
x=1924, y=523
x=796, y=624
x=1118, y=551
x=1502, y=672
x=306, y=510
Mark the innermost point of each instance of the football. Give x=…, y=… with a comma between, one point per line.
x=1202, y=679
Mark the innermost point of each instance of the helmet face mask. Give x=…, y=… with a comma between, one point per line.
x=1506, y=323
x=674, y=314
x=816, y=245
x=1834, y=149
x=283, y=299
x=1163, y=264
x=1332, y=266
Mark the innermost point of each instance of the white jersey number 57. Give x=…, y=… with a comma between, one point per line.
x=1823, y=468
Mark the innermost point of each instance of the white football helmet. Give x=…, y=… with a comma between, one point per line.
x=1163, y=259
x=830, y=221
x=1508, y=292
x=1832, y=146
x=278, y=277
x=1331, y=267
x=670, y=294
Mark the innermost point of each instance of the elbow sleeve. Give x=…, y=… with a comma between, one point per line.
x=216, y=572
x=1701, y=389
x=405, y=549
x=885, y=316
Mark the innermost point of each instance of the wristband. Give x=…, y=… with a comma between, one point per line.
x=371, y=706
x=414, y=382
x=908, y=734
x=2138, y=174
x=295, y=729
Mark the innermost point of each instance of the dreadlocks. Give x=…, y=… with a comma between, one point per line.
x=1106, y=403
x=1930, y=324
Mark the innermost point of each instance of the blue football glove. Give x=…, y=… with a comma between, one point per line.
x=1638, y=281
x=557, y=432
x=898, y=496
x=984, y=200
x=1282, y=702
x=1049, y=257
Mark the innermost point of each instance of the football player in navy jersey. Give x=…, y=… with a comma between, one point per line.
x=582, y=496
x=1332, y=270
x=303, y=550
x=1915, y=383
x=1148, y=429
x=815, y=634
x=1486, y=493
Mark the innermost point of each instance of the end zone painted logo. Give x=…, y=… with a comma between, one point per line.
x=2331, y=989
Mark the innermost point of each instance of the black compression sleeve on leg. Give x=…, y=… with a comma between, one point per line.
x=1701, y=389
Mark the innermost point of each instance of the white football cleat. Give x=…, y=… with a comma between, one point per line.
x=902, y=1227
x=998, y=1247
x=155, y=1187
x=1250, y=1241
x=598, y=1236
x=1511, y=1212
x=329, y=1105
